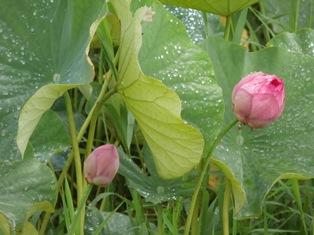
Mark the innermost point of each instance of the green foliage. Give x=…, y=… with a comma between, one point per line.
x=186, y=69
x=300, y=42
x=121, y=118
x=153, y=104
x=26, y=187
x=223, y=7
x=116, y=223
x=43, y=51
x=153, y=188
x=255, y=159
x=158, y=97
x=47, y=142
x=284, y=15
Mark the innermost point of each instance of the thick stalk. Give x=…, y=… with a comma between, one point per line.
x=160, y=222
x=227, y=28
x=225, y=209
x=176, y=214
x=44, y=223
x=202, y=176
x=103, y=96
x=91, y=133
x=76, y=154
x=75, y=145
x=195, y=222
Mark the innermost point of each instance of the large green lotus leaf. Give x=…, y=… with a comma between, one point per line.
x=256, y=159
x=26, y=187
x=194, y=22
x=155, y=107
x=185, y=68
x=43, y=51
x=220, y=7
x=300, y=42
x=279, y=13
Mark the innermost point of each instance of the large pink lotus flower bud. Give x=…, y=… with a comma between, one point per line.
x=101, y=166
x=258, y=99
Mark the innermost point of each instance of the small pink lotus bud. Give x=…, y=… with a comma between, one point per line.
x=258, y=99
x=101, y=166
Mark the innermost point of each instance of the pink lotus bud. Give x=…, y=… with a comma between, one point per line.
x=258, y=99
x=101, y=166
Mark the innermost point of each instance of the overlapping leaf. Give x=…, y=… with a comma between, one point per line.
x=156, y=108
x=255, y=159
x=220, y=7
x=42, y=44
x=43, y=51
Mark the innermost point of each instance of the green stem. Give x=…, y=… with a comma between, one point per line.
x=312, y=224
x=160, y=222
x=309, y=204
x=234, y=226
x=225, y=209
x=254, y=41
x=91, y=133
x=265, y=30
x=75, y=145
x=176, y=214
x=258, y=16
x=207, y=25
x=265, y=220
x=101, y=99
x=81, y=206
x=203, y=219
x=139, y=214
x=103, y=96
x=44, y=223
x=100, y=65
x=295, y=8
x=105, y=126
x=195, y=222
x=297, y=196
x=75, y=99
x=227, y=28
x=99, y=131
x=202, y=176
x=76, y=153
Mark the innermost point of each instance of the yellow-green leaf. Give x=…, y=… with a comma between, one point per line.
x=176, y=146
